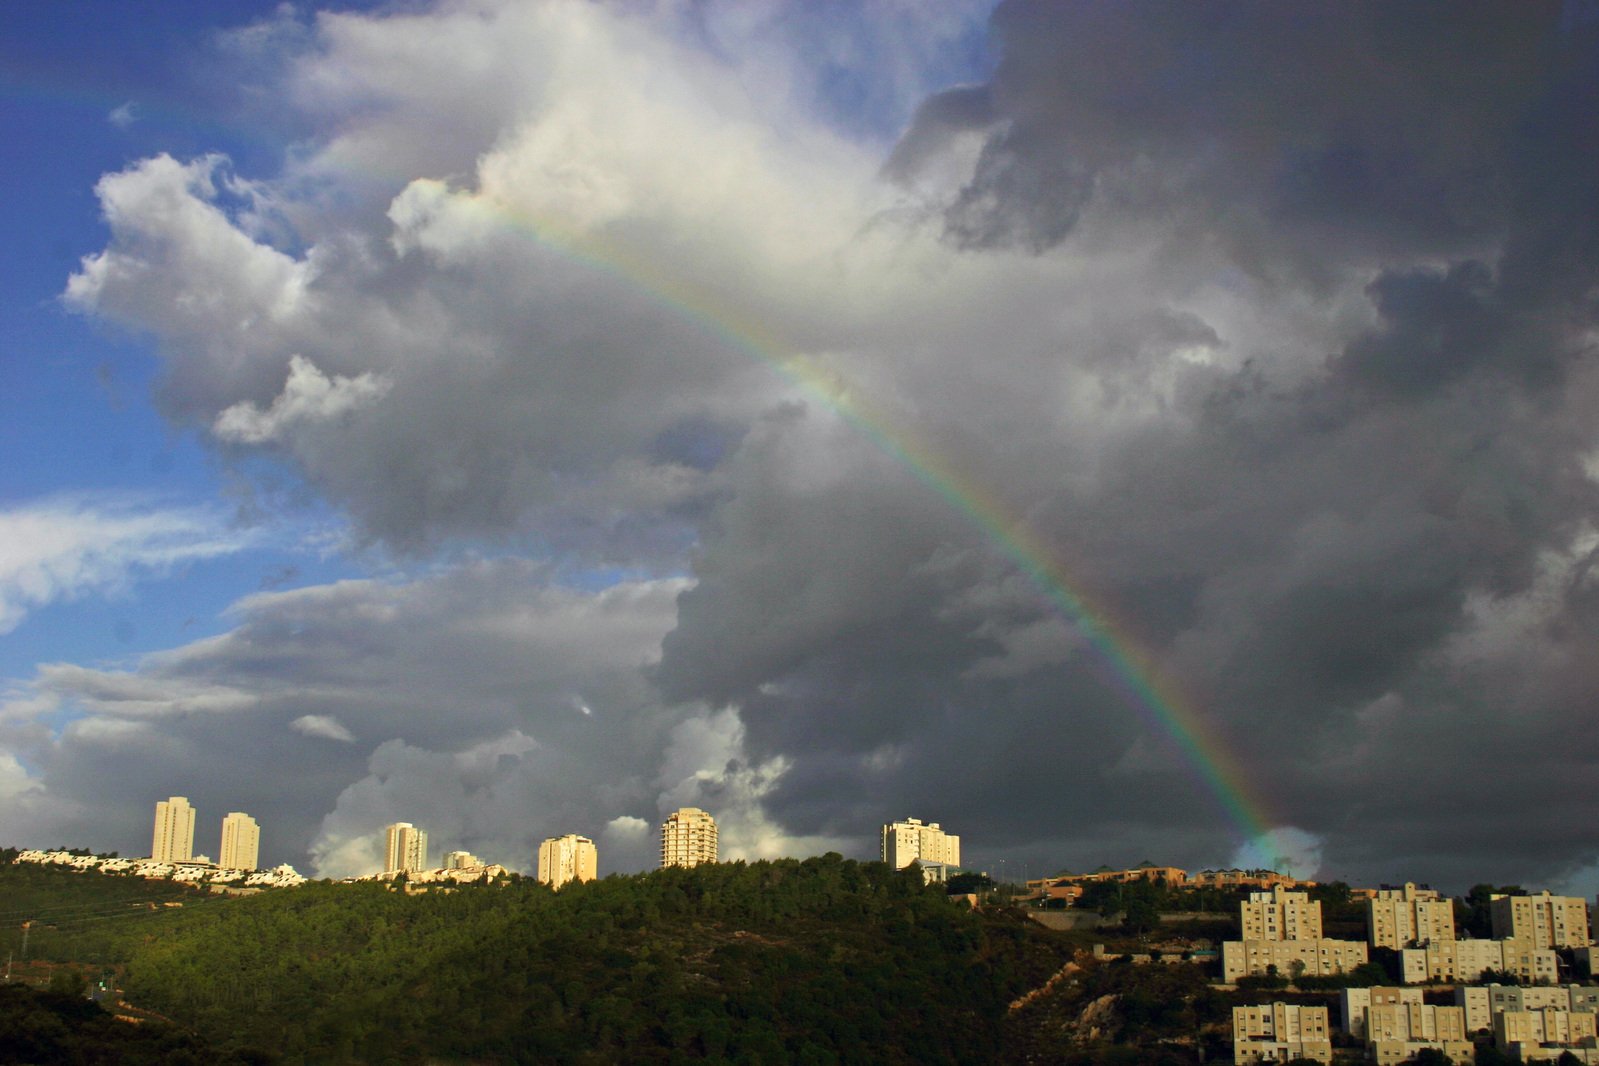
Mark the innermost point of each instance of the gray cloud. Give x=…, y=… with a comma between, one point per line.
x=448, y=691
x=1272, y=327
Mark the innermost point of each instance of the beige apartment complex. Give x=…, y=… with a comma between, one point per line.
x=911, y=840
x=1465, y=960
x=461, y=860
x=174, y=831
x=688, y=838
x=241, y=842
x=1482, y=1002
x=1396, y=1024
x=1543, y=920
x=1277, y=1032
x=1282, y=934
x=405, y=849
x=1399, y=917
x=1545, y=1035
x=1280, y=914
x=1357, y=1003
x=568, y=858
x=1290, y=958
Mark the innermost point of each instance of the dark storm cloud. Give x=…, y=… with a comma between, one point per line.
x=1362, y=557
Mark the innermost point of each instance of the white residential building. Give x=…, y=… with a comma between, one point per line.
x=173, y=840
x=1396, y=1024
x=1280, y=914
x=1546, y=1035
x=1399, y=917
x=1289, y=958
x=1357, y=1001
x=688, y=838
x=1277, y=1032
x=241, y=842
x=405, y=849
x=1465, y=960
x=1482, y=1002
x=911, y=840
x=1543, y=920
x=567, y=858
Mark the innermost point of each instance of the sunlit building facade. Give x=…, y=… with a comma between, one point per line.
x=1397, y=1024
x=906, y=842
x=405, y=849
x=1280, y=914
x=241, y=843
x=1482, y=1002
x=1277, y=1032
x=568, y=858
x=1543, y=920
x=1399, y=917
x=173, y=840
x=1465, y=960
x=688, y=838
x=1290, y=958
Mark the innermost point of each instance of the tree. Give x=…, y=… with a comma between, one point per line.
x=1474, y=914
x=970, y=881
x=1141, y=915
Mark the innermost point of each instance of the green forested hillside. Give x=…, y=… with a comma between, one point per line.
x=825, y=960
x=86, y=917
x=59, y=1025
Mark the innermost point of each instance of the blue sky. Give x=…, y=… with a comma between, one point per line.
x=383, y=434
x=74, y=395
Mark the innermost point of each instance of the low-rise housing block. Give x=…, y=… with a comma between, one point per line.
x=1277, y=1032
x=1482, y=1002
x=1465, y=961
x=1289, y=958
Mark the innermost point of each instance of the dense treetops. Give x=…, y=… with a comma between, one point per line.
x=817, y=961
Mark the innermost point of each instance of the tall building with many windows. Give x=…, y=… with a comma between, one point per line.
x=1544, y=921
x=1399, y=917
x=174, y=831
x=688, y=838
x=568, y=858
x=406, y=849
x=241, y=842
x=1279, y=914
x=906, y=842
x=1277, y=1032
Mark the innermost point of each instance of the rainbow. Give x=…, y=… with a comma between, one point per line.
x=1130, y=671
x=1141, y=684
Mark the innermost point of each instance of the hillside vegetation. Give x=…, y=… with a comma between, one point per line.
x=824, y=960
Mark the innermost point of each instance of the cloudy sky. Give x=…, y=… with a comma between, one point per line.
x=1112, y=431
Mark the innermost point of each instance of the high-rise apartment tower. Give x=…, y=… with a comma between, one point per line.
x=911, y=840
x=568, y=858
x=688, y=838
x=241, y=842
x=406, y=849
x=174, y=831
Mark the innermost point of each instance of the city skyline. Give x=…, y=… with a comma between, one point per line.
x=1052, y=416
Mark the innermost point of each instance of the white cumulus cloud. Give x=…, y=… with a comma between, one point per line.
x=308, y=396
x=322, y=725
x=71, y=546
